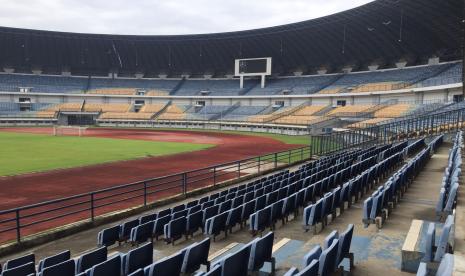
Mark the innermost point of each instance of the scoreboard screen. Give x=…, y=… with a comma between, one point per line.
x=253, y=67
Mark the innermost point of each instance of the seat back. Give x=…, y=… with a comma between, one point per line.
x=159, y=225
x=429, y=242
x=195, y=256
x=313, y=254
x=329, y=239
x=108, y=236
x=164, y=213
x=261, y=252
x=66, y=268
x=23, y=269
x=328, y=259
x=109, y=267
x=167, y=266
x=311, y=269
x=446, y=266
x=345, y=240
x=137, y=258
x=29, y=258
x=53, y=260
x=194, y=221
x=443, y=243
x=142, y=232
x=90, y=259
x=233, y=264
x=125, y=228
x=147, y=218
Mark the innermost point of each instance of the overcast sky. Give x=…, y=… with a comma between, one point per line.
x=152, y=17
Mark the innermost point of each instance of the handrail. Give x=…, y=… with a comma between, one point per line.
x=180, y=183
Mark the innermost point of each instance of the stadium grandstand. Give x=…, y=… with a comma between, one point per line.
x=330, y=146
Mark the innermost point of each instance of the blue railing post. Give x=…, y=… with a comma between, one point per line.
x=145, y=193
x=184, y=183
x=92, y=214
x=18, y=227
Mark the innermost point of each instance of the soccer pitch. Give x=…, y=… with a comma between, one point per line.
x=25, y=153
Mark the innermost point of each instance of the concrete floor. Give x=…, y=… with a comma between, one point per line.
x=376, y=250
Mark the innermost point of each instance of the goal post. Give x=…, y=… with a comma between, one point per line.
x=69, y=131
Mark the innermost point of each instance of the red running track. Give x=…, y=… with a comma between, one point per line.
x=32, y=188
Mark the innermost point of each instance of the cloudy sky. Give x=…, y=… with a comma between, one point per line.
x=163, y=16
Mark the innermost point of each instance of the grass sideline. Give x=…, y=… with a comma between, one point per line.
x=25, y=153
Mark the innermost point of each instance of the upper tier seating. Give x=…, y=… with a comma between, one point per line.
x=113, y=91
x=242, y=112
x=392, y=111
x=349, y=110
x=73, y=107
x=302, y=116
x=98, y=107
x=382, y=80
x=151, y=108
x=219, y=87
x=173, y=112
x=206, y=112
x=126, y=115
x=368, y=123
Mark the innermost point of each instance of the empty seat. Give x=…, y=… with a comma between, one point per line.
x=313, y=254
x=443, y=243
x=137, y=258
x=343, y=252
x=234, y=218
x=260, y=220
x=209, y=212
x=88, y=260
x=446, y=266
x=247, y=210
x=312, y=214
x=159, y=226
x=179, y=214
x=178, y=208
x=429, y=242
x=108, y=236
x=147, y=218
x=109, y=267
x=328, y=259
x=334, y=235
x=225, y=206
x=233, y=264
x=66, y=268
x=167, y=266
x=141, y=233
x=216, y=224
x=260, y=252
x=164, y=213
x=20, y=270
x=196, y=255
x=310, y=270
x=29, y=258
x=193, y=222
x=53, y=260
x=175, y=229
x=125, y=229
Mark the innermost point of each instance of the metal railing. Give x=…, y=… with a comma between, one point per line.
x=392, y=131
x=17, y=222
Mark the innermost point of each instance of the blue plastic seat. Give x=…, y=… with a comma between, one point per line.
x=53, y=260
x=66, y=268
x=111, y=266
x=175, y=229
x=137, y=258
x=167, y=266
x=89, y=259
x=196, y=255
x=108, y=236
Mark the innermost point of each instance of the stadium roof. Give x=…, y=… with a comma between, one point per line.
x=383, y=31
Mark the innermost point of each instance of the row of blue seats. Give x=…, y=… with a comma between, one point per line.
x=377, y=207
x=326, y=260
x=350, y=191
x=450, y=181
x=188, y=218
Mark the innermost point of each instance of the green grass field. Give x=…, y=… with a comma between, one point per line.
x=23, y=153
